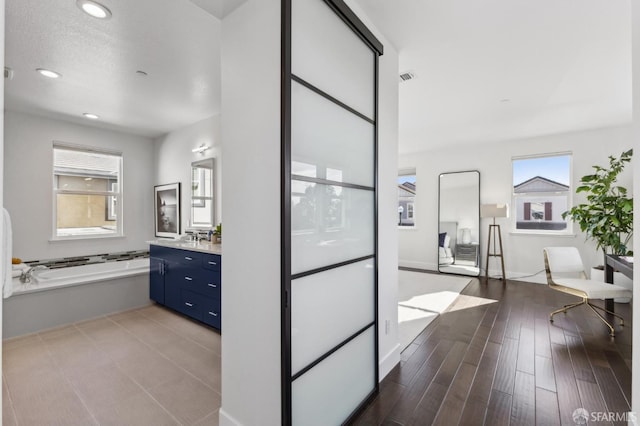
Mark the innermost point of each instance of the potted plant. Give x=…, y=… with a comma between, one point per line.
x=607, y=215
x=217, y=232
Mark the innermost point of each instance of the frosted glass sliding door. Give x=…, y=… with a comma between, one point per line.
x=329, y=221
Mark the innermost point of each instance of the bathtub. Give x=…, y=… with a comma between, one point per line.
x=47, y=279
x=57, y=297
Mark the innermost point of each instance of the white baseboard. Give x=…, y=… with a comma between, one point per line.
x=418, y=265
x=226, y=420
x=537, y=278
x=389, y=361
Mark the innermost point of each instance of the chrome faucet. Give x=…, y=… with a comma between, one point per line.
x=25, y=276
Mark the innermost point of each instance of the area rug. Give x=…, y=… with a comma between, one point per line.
x=421, y=298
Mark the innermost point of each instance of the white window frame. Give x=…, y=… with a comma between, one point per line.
x=410, y=211
x=409, y=172
x=568, y=231
x=116, y=194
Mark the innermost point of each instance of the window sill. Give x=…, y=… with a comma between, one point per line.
x=407, y=228
x=543, y=234
x=84, y=238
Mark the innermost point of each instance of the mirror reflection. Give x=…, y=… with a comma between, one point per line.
x=459, y=223
x=202, y=202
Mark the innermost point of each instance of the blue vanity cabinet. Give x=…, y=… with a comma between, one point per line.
x=156, y=279
x=190, y=282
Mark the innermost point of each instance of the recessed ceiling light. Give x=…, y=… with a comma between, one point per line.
x=94, y=9
x=90, y=116
x=48, y=73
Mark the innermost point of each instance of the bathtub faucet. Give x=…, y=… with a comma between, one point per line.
x=25, y=276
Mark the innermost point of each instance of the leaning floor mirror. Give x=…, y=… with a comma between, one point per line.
x=459, y=223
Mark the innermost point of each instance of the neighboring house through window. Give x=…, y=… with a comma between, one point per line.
x=406, y=198
x=87, y=192
x=542, y=192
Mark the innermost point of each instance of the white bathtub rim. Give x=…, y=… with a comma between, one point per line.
x=53, y=284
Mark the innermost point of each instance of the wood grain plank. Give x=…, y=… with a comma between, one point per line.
x=499, y=409
x=545, y=377
x=506, y=368
x=579, y=359
x=523, y=408
x=480, y=392
x=428, y=407
x=403, y=410
x=453, y=403
x=387, y=397
x=621, y=372
x=543, y=342
x=611, y=391
x=592, y=399
x=547, y=412
x=526, y=350
x=568, y=395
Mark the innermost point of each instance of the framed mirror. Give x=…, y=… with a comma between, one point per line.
x=202, y=194
x=459, y=223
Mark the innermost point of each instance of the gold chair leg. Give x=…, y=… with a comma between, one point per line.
x=613, y=333
x=609, y=312
x=565, y=309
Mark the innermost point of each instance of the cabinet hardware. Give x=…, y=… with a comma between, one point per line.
x=188, y=304
x=188, y=258
x=213, y=313
x=212, y=285
x=188, y=278
x=212, y=263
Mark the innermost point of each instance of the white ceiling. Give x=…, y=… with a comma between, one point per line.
x=563, y=66
x=176, y=42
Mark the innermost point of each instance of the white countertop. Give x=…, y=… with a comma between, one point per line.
x=201, y=246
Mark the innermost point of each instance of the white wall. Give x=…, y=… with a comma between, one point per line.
x=28, y=185
x=173, y=157
x=251, y=208
x=523, y=253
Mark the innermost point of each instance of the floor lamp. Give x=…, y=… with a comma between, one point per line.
x=494, y=211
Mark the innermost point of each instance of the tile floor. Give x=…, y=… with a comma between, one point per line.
x=148, y=366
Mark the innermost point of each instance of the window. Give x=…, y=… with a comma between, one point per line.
x=87, y=192
x=542, y=192
x=317, y=206
x=406, y=198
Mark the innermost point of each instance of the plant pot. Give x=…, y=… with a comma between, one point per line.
x=618, y=279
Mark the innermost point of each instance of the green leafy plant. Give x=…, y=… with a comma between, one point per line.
x=607, y=216
x=218, y=230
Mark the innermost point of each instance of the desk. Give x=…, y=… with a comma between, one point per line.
x=616, y=263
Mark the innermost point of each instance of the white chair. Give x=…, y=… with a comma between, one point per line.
x=565, y=273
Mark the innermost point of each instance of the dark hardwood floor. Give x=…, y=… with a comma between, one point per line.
x=502, y=362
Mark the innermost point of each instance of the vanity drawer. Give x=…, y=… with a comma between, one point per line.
x=192, y=258
x=210, y=284
x=212, y=261
x=211, y=312
x=191, y=304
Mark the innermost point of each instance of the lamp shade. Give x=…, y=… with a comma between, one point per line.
x=494, y=210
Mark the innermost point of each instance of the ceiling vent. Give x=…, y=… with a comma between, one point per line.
x=8, y=73
x=406, y=76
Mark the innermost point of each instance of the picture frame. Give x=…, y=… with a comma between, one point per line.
x=167, y=210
